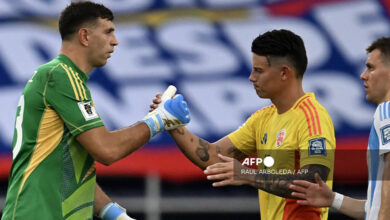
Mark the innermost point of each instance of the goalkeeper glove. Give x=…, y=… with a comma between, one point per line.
x=113, y=211
x=170, y=114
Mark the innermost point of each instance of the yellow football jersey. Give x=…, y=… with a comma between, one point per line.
x=303, y=135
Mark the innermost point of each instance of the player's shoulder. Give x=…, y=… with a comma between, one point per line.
x=259, y=116
x=382, y=111
x=60, y=71
x=50, y=67
x=265, y=110
x=309, y=106
x=43, y=73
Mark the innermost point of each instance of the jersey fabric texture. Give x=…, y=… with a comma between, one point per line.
x=301, y=136
x=52, y=175
x=378, y=146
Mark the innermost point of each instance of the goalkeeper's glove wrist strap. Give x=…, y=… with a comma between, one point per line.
x=155, y=124
x=111, y=211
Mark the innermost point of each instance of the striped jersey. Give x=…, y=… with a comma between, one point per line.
x=52, y=175
x=378, y=146
x=301, y=136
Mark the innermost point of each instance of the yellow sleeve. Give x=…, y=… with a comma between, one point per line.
x=244, y=138
x=316, y=139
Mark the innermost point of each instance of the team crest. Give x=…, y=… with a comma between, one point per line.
x=280, y=137
x=88, y=110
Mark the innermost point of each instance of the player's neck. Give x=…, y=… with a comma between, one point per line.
x=287, y=98
x=76, y=55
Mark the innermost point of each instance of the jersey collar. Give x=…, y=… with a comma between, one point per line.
x=68, y=61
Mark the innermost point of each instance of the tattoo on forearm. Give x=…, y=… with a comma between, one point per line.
x=218, y=149
x=279, y=184
x=203, y=150
x=235, y=153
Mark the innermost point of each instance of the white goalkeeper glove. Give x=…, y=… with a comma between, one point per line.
x=170, y=114
x=113, y=211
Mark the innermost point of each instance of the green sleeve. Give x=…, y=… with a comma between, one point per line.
x=68, y=95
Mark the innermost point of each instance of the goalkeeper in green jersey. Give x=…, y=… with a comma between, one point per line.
x=59, y=134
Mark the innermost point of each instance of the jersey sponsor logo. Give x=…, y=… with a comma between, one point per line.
x=264, y=141
x=280, y=137
x=385, y=132
x=317, y=147
x=88, y=110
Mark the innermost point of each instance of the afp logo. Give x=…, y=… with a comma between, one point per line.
x=268, y=161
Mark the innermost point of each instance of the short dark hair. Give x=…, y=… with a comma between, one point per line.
x=383, y=45
x=282, y=44
x=78, y=13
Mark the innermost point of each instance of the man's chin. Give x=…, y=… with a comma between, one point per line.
x=101, y=64
x=372, y=100
x=261, y=95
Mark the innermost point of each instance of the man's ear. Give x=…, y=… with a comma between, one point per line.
x=286, y=72
x=83, y=36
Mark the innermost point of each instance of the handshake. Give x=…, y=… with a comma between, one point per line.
x=171, y=113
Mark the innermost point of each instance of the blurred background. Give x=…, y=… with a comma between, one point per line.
x=203, y=48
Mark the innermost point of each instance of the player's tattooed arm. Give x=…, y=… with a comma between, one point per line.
x=204, y=148
x=201, y=152
x=186, y=142
x=201, y=146
x=279, y=184
x=233, y=152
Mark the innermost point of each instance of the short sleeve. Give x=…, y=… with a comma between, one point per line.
x=67, y=94
x=317, y=140
x=244, y=138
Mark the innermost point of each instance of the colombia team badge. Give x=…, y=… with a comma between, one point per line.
x=280, y=137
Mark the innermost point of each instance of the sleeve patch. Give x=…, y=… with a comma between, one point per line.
x=88, y=110
x=317, y=147
x=385, y=132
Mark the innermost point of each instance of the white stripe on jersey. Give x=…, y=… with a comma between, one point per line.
x=375, y=160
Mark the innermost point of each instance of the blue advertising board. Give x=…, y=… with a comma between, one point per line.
x=203, y=48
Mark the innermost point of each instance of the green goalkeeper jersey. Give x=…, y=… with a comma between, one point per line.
x=52, y=175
